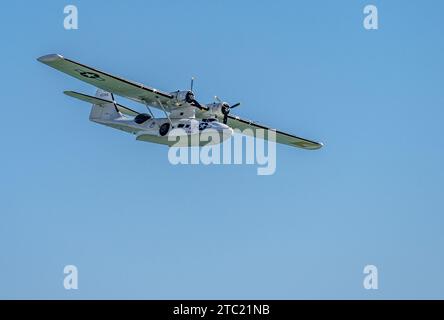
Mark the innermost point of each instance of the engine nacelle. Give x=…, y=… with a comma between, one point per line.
x=183, y=96
x=215, y=110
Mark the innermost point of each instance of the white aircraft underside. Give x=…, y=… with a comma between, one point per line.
x=184, y=116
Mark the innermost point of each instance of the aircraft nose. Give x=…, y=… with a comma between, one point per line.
x=225, y=128
x=222, y=126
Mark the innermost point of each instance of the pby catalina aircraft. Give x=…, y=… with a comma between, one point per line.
x=181, y=109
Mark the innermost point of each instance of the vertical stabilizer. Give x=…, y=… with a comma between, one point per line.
x=104, y=111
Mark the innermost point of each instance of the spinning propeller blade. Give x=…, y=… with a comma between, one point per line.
x=192, y=100
x=225, y=109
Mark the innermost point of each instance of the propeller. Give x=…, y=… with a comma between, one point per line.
x=226, y=108
x=191, y=100
x=192, y=83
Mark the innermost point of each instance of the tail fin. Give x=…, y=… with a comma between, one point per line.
x=105, y=111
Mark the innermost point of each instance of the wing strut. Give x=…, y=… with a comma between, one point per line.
x=167, y=115
x=149, y=110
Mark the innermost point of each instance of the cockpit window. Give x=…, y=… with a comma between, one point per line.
x=181, y=125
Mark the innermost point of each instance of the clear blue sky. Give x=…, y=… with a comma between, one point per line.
x=74, y=192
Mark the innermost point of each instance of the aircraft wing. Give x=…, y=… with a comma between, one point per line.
x=105, y=81
x=99, y=101
x=281, y=137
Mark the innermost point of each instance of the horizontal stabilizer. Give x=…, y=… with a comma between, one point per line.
x=99, y=101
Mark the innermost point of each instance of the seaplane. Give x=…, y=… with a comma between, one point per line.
x=184, y=115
